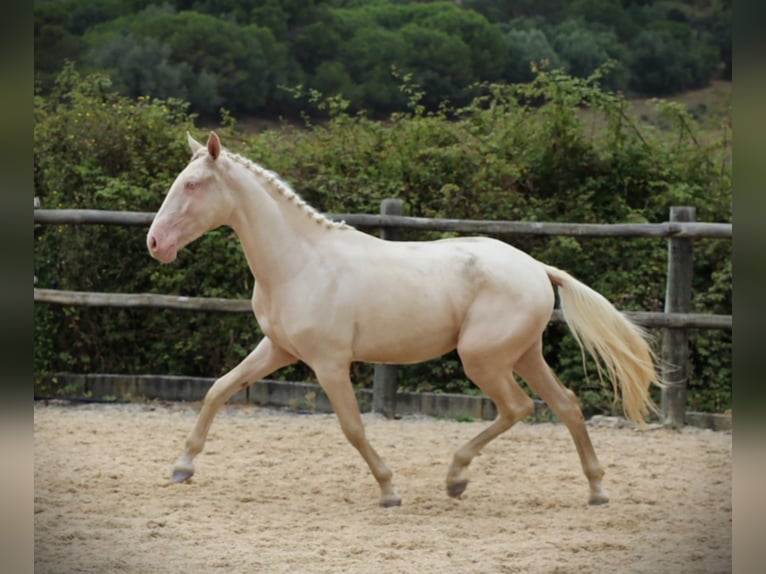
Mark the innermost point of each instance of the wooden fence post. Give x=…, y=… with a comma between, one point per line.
x=384, y=378
x=675, y=341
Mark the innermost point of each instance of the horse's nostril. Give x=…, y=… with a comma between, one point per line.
x=152, y=243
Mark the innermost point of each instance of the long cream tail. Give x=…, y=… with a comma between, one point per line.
x=617, y=345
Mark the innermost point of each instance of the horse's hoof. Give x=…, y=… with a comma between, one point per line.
x=390, y=502
x=181, y=475
x=598, y=499
x=457, y=488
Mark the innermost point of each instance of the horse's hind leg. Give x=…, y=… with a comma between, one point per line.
x=264, y=359
x=512, y=406
x=539, y=376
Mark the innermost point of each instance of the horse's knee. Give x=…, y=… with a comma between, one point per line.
x=215, y=394
x=221, y=391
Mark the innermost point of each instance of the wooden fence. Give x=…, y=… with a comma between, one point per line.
x=680, y=232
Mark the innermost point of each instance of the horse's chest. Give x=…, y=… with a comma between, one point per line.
x=264, y=313
x=284, y=322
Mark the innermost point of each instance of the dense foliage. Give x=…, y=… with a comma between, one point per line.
x=246, y=55
x=555, y=149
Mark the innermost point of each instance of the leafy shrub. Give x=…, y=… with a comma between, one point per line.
x=555, y=149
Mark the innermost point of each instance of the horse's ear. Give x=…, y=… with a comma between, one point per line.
x=193, y=144
x=213, y=145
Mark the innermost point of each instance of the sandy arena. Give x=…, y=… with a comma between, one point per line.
x=276, y=492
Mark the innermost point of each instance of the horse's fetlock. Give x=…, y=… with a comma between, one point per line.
x=594, y=473
x=385, y=476
x=461, y=460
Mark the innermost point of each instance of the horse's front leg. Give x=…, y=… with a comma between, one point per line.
x=337, y=384
x=264, y=359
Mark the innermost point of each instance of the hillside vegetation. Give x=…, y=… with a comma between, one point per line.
x=252, y=56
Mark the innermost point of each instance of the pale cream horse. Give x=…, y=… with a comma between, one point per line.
x=327, y=294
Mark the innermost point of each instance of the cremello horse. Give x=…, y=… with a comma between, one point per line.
x=327, y=294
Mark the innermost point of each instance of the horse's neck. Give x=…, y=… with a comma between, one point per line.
x=277, y=229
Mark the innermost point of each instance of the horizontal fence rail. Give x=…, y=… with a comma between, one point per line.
x=373, y=221
x=94, y=299
x=675, y=321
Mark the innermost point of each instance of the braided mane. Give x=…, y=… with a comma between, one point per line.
x=285, y=191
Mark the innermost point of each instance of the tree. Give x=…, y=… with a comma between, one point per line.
x=524, y=48
x=609, y=14
x=582, y=50
x=369, y=57
x=720, y=29
x=332, y=79
x=504, y=11
x=314, y=44
x=239, y=53
x=657, y=63
x=662, y=64
x=440, y=63
x=273, y=15
x=484, y=41
x=213, y=61
x=53, y=46
x=141, y=67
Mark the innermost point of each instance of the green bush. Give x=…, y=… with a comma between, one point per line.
x=555, y=149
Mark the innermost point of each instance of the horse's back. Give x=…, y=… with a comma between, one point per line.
x=409, y=301
x=482, y=262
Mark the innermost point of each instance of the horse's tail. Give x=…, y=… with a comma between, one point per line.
x=616, y=344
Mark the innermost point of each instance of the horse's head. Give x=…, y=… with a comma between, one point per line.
x=197, y=202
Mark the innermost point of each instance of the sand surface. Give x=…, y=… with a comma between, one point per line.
x=276, y=492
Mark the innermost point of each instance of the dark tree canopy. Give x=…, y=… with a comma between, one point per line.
x=247, y=55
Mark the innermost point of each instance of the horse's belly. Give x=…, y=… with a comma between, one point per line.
x=404, y=336
x=404, y=348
